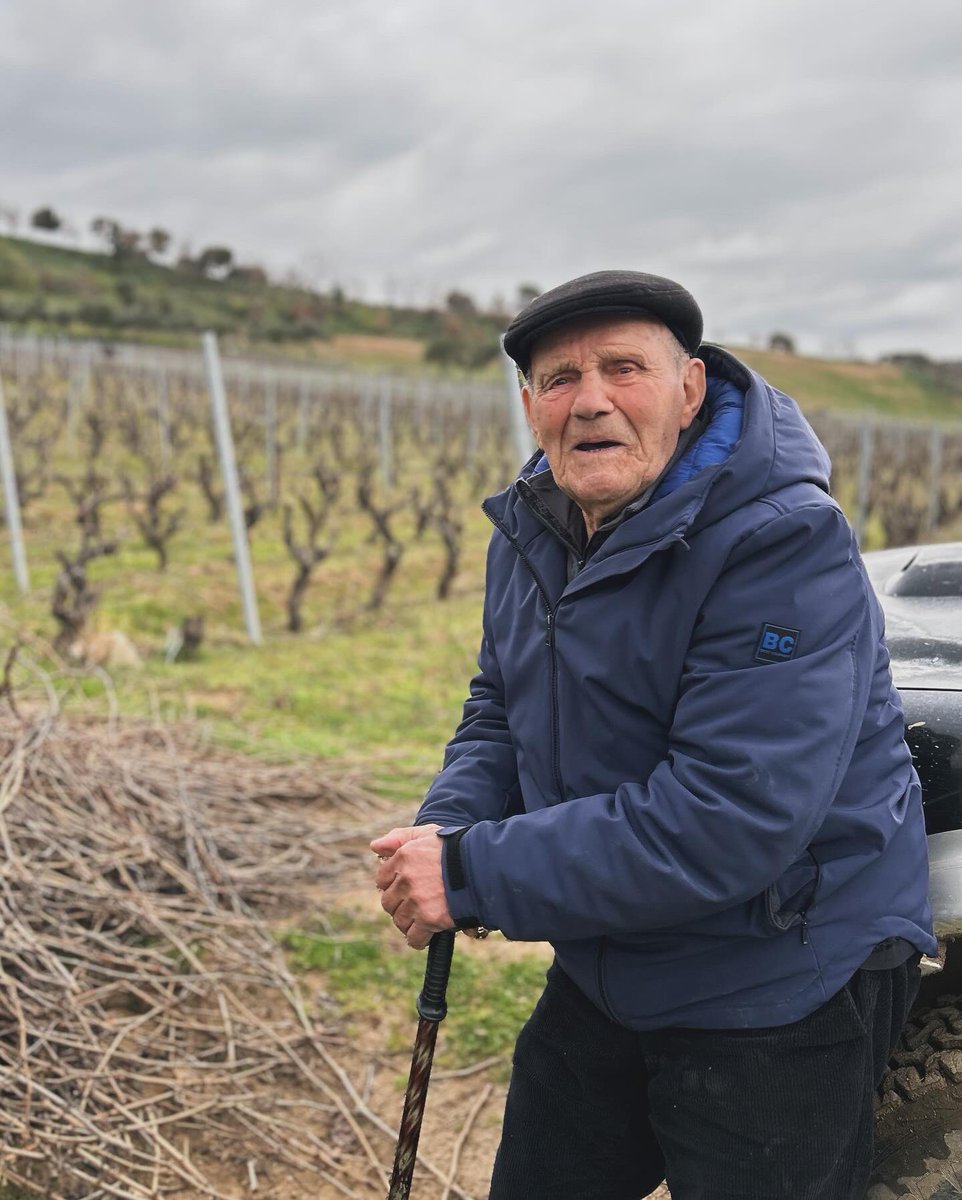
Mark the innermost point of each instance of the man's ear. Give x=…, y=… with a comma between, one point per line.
x=527, y=399
x=695, y=385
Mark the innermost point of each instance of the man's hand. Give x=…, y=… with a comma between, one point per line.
x=385, y=846
x=410, y=881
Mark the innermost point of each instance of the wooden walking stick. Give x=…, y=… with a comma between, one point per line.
x=432, y=1010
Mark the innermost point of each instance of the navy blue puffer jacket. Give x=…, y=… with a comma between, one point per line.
x=685, y=767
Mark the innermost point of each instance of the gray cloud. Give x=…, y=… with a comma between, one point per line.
x=797, y=166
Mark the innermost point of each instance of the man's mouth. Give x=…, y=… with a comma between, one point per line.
x=592, y=447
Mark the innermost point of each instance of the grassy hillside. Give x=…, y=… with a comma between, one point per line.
x=52, y=289
x=882, y=388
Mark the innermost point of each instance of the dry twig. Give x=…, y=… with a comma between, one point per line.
x=148, y=1022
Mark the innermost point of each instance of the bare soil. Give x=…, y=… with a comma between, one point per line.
x=462, y=1121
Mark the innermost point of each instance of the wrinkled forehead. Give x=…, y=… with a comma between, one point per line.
x=600, y=334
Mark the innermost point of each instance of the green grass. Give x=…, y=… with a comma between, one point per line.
x=369, y=972
x=380, y=688
x=880, y=388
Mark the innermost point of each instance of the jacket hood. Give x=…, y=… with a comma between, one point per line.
x=776, y=446
x=756, y=442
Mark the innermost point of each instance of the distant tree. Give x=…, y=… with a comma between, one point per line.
x=460, y=304
x=215, y=261
x=526, y=293
x=122, y=243
x=782, y=343
x=104, y=228
x=250, y=273
x=158, y=241
x=126, y=292
x=45, y=218
x=462, y=343
x=911, y=358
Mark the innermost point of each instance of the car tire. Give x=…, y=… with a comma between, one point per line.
x=918, y=1122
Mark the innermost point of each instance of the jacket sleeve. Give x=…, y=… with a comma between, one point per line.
x=479, y=777
x=756, y=754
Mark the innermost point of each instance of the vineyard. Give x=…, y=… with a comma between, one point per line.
x=348, y=481
x=116, y=466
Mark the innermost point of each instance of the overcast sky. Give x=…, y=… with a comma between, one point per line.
x=796, y=164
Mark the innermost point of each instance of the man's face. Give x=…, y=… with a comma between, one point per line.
x=607, y=401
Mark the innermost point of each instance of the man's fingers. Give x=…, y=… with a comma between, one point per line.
x=419, y=935
x=391, y=842
x=385, y=874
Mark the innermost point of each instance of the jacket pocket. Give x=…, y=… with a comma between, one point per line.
x=789, y=898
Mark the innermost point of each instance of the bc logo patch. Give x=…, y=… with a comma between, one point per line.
x=776, y=644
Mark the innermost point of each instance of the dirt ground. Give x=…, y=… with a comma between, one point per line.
x=462, y=1121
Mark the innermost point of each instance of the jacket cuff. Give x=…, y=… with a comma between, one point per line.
x=461, y=903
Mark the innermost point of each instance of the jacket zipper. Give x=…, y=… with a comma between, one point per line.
x=549, y=642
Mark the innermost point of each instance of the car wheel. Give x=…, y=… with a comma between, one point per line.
x=918, y=1123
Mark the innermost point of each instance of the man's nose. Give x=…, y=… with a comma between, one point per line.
x=592, y=398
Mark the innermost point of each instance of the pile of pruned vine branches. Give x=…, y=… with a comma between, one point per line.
x=149, y=1027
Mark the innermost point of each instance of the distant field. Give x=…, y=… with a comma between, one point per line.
x=880, y=388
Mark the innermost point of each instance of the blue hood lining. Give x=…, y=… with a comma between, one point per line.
x=726, y=406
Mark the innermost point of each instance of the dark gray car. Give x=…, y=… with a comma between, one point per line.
x=919, y=1118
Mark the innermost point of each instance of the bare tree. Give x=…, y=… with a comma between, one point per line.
x=33, y=472
x=73, y=598
x=447, y=520
x=214, y=495
x=255, y=508
x=440, y=511
x=89, y=494
x=305, y=554
x=381, y=515
x=146, y=508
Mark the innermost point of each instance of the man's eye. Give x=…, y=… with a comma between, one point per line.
x=559, y=381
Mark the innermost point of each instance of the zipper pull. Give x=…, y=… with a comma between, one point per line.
x=550, y=634
x=804, y=916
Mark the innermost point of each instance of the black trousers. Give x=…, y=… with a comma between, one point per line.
x=597, y=1112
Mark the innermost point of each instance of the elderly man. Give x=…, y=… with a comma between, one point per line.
x=682, y=764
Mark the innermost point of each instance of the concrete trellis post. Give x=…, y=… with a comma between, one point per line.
x=270, y=437
x=935, y=472
x=385, y=434
x=76, y=392
x=864, y=479
x=303, y=404
x=475, y=400
x=235, y=511
x=163, y=417
x=524, y=443
x=11, y=501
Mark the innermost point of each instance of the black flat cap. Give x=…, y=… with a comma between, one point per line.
x=618, y=293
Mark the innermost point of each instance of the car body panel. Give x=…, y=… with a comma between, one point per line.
x=920, y=589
